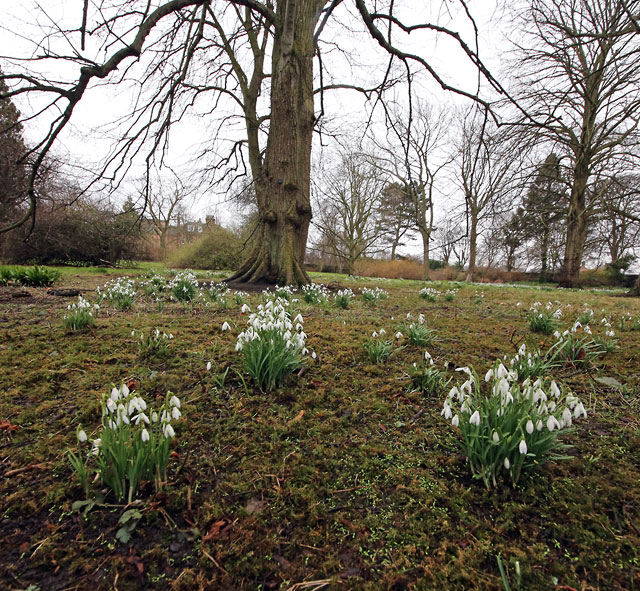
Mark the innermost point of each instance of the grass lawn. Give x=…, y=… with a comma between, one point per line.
x=343, y=478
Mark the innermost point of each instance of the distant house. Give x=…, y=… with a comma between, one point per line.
x=186, y=232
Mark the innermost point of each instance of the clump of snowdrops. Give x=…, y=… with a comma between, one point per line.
x=576, y=345
x=427, y=378
x=133, y=445
x=80, y=314
x=273, y=344
x=119, y=292
x=184, y=286
x=378, y=348
x=429, y=294
x=508, y=426
x=373, y=296
x=530, y=364
x=543, y=320
x=418, y=334
x=155, y=344
x=343, y=298
x=314, y=293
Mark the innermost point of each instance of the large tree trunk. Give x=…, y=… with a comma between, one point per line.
x=282, y=192
x=544, y=255
x=576, y=226
x=473, y=240
x=426, y=268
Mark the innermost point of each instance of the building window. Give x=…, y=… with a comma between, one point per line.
x=189, y=228
x=200, y=229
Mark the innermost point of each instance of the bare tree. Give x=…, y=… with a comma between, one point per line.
x=415, y=155
x=486, y=171
x=348, y=209
x=180, y=53
x=581, y=83
x=164, y=206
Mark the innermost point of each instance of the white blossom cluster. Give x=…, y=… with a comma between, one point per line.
x=122, y=287
x=314, y=293
x=82, y=305
x=272, y=322
x=429, y=293
x=374, y=294
x=548, y=406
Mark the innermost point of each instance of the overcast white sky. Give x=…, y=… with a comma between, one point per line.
x=87, y=141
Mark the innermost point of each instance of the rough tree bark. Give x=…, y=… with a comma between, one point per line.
x=283, y=190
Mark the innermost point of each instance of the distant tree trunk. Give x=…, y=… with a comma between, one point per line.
x=283, y=192
x=544, y=255
x=473, y=239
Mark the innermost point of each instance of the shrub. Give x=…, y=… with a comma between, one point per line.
x=273, y=346
x=218, y=248
x=513, y=427
x=39, y=276
x=133, y=446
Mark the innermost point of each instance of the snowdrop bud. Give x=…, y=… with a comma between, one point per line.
x=82, y=436
x=455, y=421
x=313, y=355
x=529, y=426
x=225, y=326
x=154, y=416
x=523, y=447
x=495, y=437
x=144, y=435
x=133, y=332
x=539, y=425
x=475, y=418
x=209, y=366
x=115, y=394
x=507, y=463
x=488, y=376
x=566, y=417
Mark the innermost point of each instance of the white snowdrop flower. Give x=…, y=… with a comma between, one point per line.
x=154, y=416
x=408, y=315
x=374, y=334
x=239, y=346
x=175, y=413
x=455, y=421
x=245, y=309
x=144, y=435
x=539, y=425
x=398, y=335
x=96, y=446
x=465, y=370
x=298, y=319
x=115, y=394
x=475, y=418
x=225, y=326
x=209, y=366
x=523, y=447
x=554, y=389
x=446, y=411
x=502, y=371
x=111, y=405
x=488, y=376
x=557, y=334
x=82, y=436
x=382, y=331
x=566, y=417
x=170, y=336
x=133, y=332
x=529, y=426
x=454, y=392
x=507, y=463
x=579, y=410
x=587, y=329
x=168, y=431
x=495, y=437
x=552, y=423
x=313, y=355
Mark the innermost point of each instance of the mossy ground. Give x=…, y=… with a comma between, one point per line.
x=343, y=476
